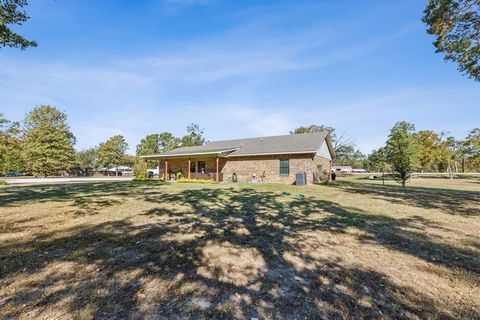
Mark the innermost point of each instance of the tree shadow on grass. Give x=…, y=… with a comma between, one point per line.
x=86, y=198
x=457, y=202
x=292, y=216
x=60, y=192
x=237, y=253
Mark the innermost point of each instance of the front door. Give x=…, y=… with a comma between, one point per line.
x=201, y=167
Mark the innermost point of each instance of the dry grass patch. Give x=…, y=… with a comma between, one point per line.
x=149, y=250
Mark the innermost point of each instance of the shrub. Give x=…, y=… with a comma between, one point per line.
x=140, y=169
x=322, y=174
x=141, y=177
x=3, y=183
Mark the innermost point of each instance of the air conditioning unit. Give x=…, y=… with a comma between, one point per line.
x=301, y=178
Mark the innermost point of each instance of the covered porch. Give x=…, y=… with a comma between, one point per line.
x=195, y=167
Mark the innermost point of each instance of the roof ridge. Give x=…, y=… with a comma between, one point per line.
x=276, y=136
x=280, y=144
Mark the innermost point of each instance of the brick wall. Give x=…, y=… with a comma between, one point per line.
x=245, y=167
x=324, y=167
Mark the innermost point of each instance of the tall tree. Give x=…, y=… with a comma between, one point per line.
x=377, y=160
x=3, y=142
x=48, y=141
x=429, y=150
x=111, y=152
x=149, y=145
x=340, y=141
x=437, y=151
x=11, y=146
x=456, y=27
x=194, y=136
x=3, y=121
x=129, y=160
x=446, y=153
x=312, y=129
x=471, y=146
x=402, y=151
x=347, y=155
x=169, y=142
x=11, y=12
x=456, y=151
x=87, y=160
x=156, y=143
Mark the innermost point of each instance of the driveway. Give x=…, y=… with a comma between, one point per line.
x=66, y=179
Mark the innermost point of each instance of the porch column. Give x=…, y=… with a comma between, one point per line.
x=159, y=166
x=166, y=170
x=188, y=168
x=216, y=176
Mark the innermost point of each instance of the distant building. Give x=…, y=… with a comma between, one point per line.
x=342, y=169
x=120, y=171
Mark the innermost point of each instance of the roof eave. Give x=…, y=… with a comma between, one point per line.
x=270, y=153
x=186, y=154
x=330, y=146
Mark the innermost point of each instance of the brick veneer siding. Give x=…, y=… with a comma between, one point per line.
x=323, y=167
x=245, y=167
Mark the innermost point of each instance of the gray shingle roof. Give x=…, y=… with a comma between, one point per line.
x=297, y=143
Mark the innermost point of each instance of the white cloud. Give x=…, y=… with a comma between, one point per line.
x=237, y=53
x=253, y=121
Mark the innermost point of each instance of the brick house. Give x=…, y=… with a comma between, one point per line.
x=269, y=159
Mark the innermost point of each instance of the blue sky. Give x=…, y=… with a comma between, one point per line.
x=237, y=68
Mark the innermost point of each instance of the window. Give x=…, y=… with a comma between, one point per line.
x=192, y=166
x=284, y=167
x=201, y=167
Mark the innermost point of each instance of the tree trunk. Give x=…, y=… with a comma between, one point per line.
x=463, y=165
x=403, y=183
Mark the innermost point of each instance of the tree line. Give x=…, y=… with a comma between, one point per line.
x=428, y=151
x=408, y=150
x=43, y=145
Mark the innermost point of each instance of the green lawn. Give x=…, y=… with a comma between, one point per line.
x=149, y=250
x=469, y=184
